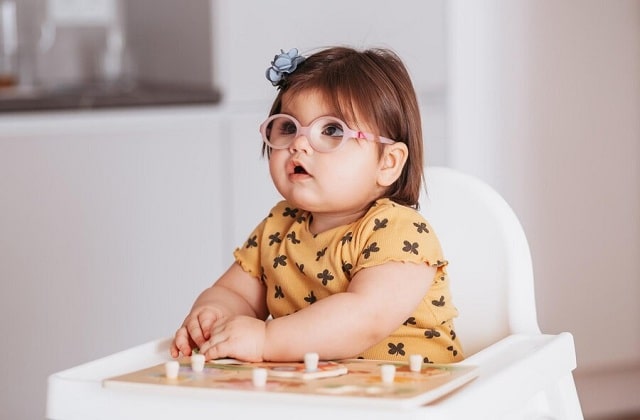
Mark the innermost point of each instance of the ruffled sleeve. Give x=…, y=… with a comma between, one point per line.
x=248, y=254
x=392, y=232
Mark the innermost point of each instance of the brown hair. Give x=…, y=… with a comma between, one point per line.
x=374, y=85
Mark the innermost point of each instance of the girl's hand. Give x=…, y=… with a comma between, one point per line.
x=196, y=330
x=241, y=337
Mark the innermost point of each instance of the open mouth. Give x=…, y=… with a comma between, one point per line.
x=299, y=170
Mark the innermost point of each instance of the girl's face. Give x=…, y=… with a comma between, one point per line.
x=339, y=185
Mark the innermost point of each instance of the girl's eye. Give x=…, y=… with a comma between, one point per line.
x=286, y=127
x=333, y=130
x=289, y=128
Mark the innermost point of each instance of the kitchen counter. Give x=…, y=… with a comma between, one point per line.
x=103, y=96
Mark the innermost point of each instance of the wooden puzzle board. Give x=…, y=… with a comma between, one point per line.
x=361, y=384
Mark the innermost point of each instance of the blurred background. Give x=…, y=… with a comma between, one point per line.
x=130, y=160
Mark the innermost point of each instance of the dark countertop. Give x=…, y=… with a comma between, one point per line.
x=103, y=96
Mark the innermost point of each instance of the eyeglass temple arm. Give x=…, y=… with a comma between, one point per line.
x=369, y=136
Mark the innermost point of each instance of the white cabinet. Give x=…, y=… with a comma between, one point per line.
x=111, y=223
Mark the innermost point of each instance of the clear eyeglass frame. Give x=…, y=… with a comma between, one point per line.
x=323, y=134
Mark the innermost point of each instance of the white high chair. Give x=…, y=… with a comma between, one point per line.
x=493, y=287
x=523, y=373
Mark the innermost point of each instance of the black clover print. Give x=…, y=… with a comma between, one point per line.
x=396, y=349
x=347, y=238
x=292, y=237
x=278, y=294
x=311, y=298
x=380, y=224
x=300, y=267
x=431, y=333
x=280, y=260
x=373, y=247
x=320, y=254
x=289, y=212
x=346, y=268
x=252, y=242
x=274, y=238
x=421, y=227
x=410, y=247
x=325, y=276
x=439, y=303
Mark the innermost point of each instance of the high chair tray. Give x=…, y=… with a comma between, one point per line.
x=507, y=375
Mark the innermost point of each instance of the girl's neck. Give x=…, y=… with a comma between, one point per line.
x=320, y=222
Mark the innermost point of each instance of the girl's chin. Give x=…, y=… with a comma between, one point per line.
x=302, y=201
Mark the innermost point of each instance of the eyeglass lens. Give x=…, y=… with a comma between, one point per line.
x=324, y=134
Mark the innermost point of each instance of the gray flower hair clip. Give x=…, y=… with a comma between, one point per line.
x=283, y=64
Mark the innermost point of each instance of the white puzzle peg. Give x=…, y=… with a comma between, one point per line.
x=415, y=363
x=197, y=362
x=387, y=373
x=311, y=362
x=259, y=377
x=171, y=369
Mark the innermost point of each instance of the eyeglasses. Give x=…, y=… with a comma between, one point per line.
x=325, y=134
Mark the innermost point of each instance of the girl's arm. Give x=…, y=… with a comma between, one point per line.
x=377, y=302
x=235, y=293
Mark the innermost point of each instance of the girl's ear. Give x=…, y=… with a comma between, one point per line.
x=391, y=163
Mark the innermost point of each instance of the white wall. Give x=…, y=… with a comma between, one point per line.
x=415, y=29
x=545, y=106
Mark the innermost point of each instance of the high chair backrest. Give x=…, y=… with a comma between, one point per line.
x=489, y=259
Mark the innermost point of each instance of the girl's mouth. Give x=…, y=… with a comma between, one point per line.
x=296, y=169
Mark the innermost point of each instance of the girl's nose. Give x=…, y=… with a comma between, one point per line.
x=301, y=143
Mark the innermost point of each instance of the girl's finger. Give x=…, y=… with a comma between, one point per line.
x=194, y=331
x=181, y=343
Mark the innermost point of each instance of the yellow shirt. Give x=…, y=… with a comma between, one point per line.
x=299, y=268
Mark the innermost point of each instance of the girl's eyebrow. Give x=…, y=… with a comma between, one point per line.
x=285, y=111
x=293, y=114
